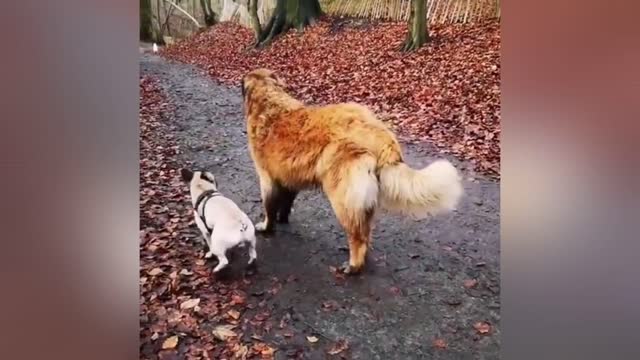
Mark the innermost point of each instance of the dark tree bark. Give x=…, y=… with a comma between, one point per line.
x=289, y=14
x=146, y=25
x=255, y=20
x=418, y=33
x=209, y=15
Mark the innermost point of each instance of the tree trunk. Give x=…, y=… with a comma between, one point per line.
x=289, y=14
x=209, y=15
x=146, y=26
x=418, y=34
x=255, y=20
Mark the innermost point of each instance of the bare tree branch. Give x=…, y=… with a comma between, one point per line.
x=184, y=12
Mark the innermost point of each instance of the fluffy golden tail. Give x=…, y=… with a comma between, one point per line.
x=434, y=189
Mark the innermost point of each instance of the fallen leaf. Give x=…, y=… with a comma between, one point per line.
x=237, y=299
x=155, y=271
x=234, y=314
x=470, y=283
x=395, y=290
x=439, y=344
x=155, y=336
x=242, y=352
x=223, y=332
x=186, y=272
x=170, y=343
x=482, y=327
x=329, y=305
x=340, y=346
x=268, y=351
x=185, y=305
x=312, y=339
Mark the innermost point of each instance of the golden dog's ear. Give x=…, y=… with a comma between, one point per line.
x=248, y=82
x=277, y=79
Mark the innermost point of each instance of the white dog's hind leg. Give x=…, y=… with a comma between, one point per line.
x=253, y=255
x=207, y=241
x=219, y=252
x=222, y=262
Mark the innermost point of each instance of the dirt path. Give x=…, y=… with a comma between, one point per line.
x=412, y=291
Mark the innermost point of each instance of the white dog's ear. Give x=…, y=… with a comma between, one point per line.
x=186, y=174
x=205, y=175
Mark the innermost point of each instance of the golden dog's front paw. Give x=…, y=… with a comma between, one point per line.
x=264, y=227
x=350, y=270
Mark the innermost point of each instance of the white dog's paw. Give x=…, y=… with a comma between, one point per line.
x=261, y=226
x=208, y=255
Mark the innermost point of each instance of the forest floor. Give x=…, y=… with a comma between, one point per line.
x=430, y=290
x=446, y=93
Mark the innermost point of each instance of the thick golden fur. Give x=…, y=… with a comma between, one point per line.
x=342, y=148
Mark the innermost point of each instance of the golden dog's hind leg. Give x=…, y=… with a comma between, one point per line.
x=358, y=232
x=356, y=221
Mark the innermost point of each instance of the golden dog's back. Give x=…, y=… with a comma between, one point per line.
x=298, y=146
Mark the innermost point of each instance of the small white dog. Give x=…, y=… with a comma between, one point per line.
x=222, y=223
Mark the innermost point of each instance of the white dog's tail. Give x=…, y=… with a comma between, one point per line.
x=434, y=189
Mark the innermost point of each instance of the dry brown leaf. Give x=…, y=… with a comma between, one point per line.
x=482, y=327
x=155, y=271
x=338, y=347
x=242, y=352
x=186, y=272
x=191, y=303
x=237, y=299
x=223, y=332
x=470, y=283
x=395, y=290
x=234, y=314
x=439, y=344
x=170, y=342
x=268, y=351
x=312, y=339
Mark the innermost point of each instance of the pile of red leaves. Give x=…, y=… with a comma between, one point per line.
x=185, y=312
x=447, y=93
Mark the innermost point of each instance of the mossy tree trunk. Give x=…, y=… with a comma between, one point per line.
x=209, y=15
x=418, y=33
x=289, y=14
x=146, y=25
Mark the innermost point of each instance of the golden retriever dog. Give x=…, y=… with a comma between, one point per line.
x=345, y=150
